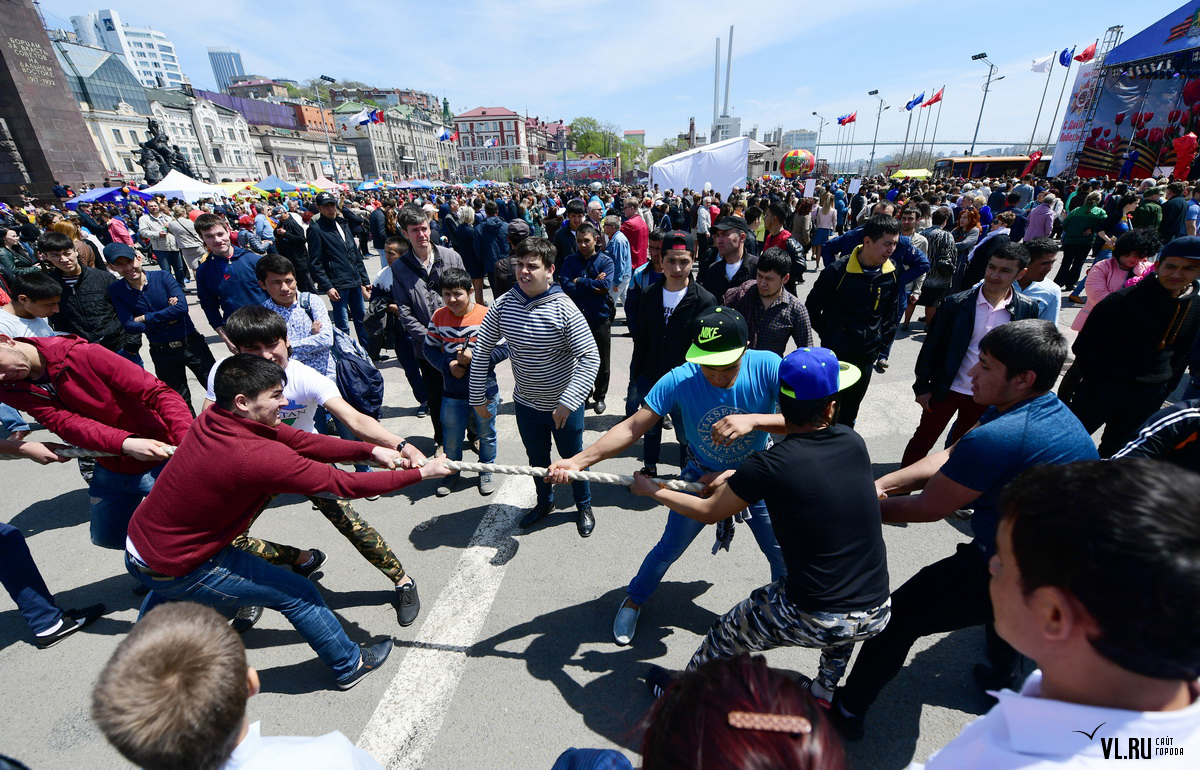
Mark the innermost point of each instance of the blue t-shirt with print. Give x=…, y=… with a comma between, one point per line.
x=755, y=391
x=1040, y=431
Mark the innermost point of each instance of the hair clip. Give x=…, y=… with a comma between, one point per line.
x=776, y=723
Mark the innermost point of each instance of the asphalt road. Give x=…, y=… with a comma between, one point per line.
x=512, y=659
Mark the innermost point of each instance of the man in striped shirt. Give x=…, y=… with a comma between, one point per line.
x=554, y=361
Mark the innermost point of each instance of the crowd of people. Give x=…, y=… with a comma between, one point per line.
x=1082, y=558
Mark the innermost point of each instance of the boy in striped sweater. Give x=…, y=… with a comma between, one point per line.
x=449, y=346
x=554, y=361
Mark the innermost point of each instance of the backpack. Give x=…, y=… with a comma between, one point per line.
x=359, y=381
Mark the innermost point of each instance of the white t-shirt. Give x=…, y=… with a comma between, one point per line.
x=731, y=270
x=671, y=301
x=13, y=326
x=305, y=390
x=383, y=279
x=332, y=750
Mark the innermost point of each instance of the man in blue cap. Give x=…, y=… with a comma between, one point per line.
x=836, y=589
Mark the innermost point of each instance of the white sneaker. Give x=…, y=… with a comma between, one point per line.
x=626, y=624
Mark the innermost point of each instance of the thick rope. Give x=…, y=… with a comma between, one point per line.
x=74, y=452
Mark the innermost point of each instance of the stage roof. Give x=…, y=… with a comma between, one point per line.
x=1176, y=32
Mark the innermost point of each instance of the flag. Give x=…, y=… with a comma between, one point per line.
x=362, y=117
x=841, y=121
x=1087, y=54
x=377, y=116
x=444, y=135
x=851, y=118
x=489, y=142
x=1043, y=65
x=1064, y=58
x=454, y=136
x=935, y=98
x=915, y=102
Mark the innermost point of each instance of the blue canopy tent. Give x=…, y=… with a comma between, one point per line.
x=422, y=184
x=273, y=183
x=368, y=186
x=108, y=195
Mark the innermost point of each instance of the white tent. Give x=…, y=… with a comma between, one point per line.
x=179, y=185
x=723, y=165
x=324, y=183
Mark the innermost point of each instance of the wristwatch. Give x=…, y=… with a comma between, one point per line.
x=403, y=443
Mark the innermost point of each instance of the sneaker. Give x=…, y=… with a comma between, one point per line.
x=72, y=621
x=318, y=560
x=851, y=726
x=423, y=410
x=408, y=603
x=806, y=683
x=449, y=484
x=486, y=485
x=372, y=657
x=964, y=514
x=659, y=680
x=625, y=624
x=536, y=514
x=245, y=619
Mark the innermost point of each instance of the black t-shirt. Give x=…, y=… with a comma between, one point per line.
x=820, y=493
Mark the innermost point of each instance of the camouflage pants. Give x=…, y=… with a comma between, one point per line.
x=341, y=514
x=767, y=620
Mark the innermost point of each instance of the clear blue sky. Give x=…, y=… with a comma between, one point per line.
x=650, y=65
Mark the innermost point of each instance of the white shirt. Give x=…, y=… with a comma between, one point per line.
x=14, y=326
x=986, y=319
x=332, y=751
x=383, y=279
x=1027, y=731
x=305, y=390
x=731, y=270
x=671, y=301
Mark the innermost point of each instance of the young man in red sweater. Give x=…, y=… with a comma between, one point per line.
x=179, y=542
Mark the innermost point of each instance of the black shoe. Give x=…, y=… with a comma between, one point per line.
x=585, y=522
x=72, y=621
x=246, y=618
x=600, y=406
x=408, y=603
x=539, y=512
x=649, y=470
x=318, y=561
x=659, y=680
x=373, y=656
x=423, y=410
x=852, y=728
x=881, y=365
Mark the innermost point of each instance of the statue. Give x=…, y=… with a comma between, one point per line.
x=158, y=156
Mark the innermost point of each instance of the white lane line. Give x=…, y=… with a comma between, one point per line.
x=407, y=720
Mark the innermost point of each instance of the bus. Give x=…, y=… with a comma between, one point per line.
x=979, y=166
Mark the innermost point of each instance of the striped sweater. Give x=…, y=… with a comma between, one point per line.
x=554, y=357
x=448, y=334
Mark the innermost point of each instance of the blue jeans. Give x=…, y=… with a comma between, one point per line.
x=456, y=412
x=114, y=498
x=1078, y=290
x=11, y=421
x=352, y=299
x=681, y=531
x=24, y=583
x=536, y=428
x=172, y=261
x=234, y=579
x=412, y=370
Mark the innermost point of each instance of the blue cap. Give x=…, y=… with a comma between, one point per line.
x=1187, y=247
x=811, y=373
x=115, y=251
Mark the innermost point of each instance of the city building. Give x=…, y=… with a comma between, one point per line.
x=215, y=139
x=150, y=54
x=725, y=127
x=543, y=142
x=298, y=156
x=386, y=97
x=404, y=145
x=492, y=139
x=799, y=139
x=264, y=88
x=113, y=104
x=309, y=117
x=226, y=65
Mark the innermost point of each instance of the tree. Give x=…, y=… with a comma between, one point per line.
x=667, y=148
x=587, y=136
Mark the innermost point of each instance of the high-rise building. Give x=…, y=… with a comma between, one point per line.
x=150, y=54
x=226, y=65
x=799, y=139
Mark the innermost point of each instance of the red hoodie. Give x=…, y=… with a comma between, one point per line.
x=226, y=470
x=91, y=397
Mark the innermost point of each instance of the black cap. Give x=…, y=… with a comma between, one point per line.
x=519, y=228
x=732, y=223
x=324, y=198
x=721, y=337
x=678, y=240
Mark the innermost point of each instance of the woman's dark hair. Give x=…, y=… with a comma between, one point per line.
x=1144, y=241
x=455, y=278
x=245, y=375
x=1029, y=345
x=273, y=263
x=689, y=726
x=1123, y=538
x=255, y=325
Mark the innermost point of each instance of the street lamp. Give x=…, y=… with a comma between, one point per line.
x=991, y=71
x=328, y=144
x=878, y=115
x=820, y=128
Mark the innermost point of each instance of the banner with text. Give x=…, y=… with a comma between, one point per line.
x=1087, y=80
x=594, y=168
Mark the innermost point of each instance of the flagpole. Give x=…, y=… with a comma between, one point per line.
x=904, y=149
x=1057, y=107
x=1045, y=88
x=915, y=151
x=937, y=121
x=926, y=134
x=853, y=133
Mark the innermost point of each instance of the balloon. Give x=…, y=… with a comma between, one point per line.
x=797, y=163
x=125, y=190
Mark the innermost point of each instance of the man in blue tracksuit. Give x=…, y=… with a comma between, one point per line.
x=225, y=280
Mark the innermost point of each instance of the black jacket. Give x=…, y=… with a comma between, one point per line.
x=714, y=278
x=1140, y=333
x=292, y=242
x=854, y=312
x=949, y=337
x=334, y=256
x=376, y=222
x=660, y=345
x=86, y=310
x=356, y=221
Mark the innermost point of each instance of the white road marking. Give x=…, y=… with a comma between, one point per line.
x=407, y=720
